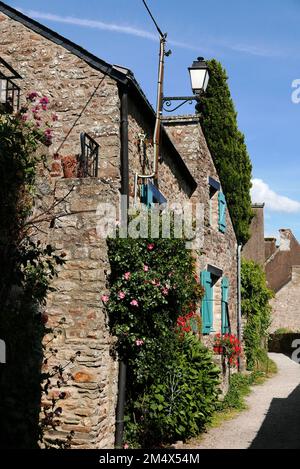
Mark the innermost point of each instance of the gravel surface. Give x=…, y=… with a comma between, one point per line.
x=272, y=420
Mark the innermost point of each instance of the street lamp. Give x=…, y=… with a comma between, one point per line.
x=199, y=76
x=199, y=80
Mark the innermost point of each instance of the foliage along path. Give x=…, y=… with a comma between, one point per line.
x=272, y=419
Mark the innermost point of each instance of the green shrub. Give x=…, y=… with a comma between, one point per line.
x=283, y=330
x=179, y=404
x=172, y=383
x=257, y=311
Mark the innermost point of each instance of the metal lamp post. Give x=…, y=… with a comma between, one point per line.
x=199, y=76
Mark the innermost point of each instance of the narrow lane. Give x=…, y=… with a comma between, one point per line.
x=272, y=420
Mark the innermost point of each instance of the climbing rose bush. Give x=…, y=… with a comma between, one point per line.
x=154, y=297
x=37, y=118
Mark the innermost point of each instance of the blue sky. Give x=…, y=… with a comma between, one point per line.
x=257, y=41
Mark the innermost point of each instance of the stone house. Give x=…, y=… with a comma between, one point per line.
x=281, y=263
x=105, y=120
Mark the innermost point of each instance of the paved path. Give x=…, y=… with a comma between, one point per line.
x=272, y=419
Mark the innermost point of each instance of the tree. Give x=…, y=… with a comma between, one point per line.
x=228, y=149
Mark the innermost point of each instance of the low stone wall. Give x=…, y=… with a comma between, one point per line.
x=285, y=343
x=91, y=385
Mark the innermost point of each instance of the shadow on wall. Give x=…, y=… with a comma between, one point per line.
x=281, y=427
x=286, y=343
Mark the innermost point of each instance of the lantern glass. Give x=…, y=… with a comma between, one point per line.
x=199, y=76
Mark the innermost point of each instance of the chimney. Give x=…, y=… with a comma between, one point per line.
x=285, y=239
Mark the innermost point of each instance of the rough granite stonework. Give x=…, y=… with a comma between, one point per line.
x=254, y=249
x=85, y=100
x=219, y=249
x=89, y=409
x=171, y=182
x=286, y=304
x=279, y=265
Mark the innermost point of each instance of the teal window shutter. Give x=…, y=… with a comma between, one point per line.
x=146, y=195
x=222, y=212
x=225, y=311
x=207, y=303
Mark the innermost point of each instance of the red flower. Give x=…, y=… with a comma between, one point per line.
x=150, y=246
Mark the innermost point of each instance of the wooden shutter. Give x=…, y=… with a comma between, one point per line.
x=146, y=195
x=222, y=212
x=207, y=302
x=225, y=310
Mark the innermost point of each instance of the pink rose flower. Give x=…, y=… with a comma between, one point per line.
x=134, y=303
x=31, y=96
x=121, y=295
x=126, y=446
x=146, y=268
x=165, y=291
x=150, y=246
x=139, y=342
x=105, y=298
x=44, y=100
x=127, y=275
x=155, y=282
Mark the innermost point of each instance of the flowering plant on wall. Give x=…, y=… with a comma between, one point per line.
x=229, y=346
x=36, y=117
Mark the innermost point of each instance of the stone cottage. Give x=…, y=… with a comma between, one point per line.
x=281, y=262
x=105, y=120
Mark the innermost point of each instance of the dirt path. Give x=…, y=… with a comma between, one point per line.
x=272, y=419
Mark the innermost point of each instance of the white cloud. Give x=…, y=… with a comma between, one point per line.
x=261, y=192
x=96, y=24
x=249, y=49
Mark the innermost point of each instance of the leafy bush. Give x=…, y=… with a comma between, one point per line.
x=257, y=311
x=172, y=383
x=228, y=148
x=180, y=403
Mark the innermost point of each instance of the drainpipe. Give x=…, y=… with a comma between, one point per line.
x=124, y=211
x=239, y=298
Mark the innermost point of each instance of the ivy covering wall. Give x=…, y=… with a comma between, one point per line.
x=228, y=148
x=257, y=312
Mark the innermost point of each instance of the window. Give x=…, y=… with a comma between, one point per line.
x=151, y=195
x=214, y=307
x=222, y=212
x=9, y=91
x=88, y=160
x=217, y=206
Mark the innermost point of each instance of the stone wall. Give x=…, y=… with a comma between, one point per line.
x=171, y=182
x=254, y=249
x=270, y=247
x=219, y=249
x=286, y=304
x=91, y=389
x=84, y=99
x=278, y=267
